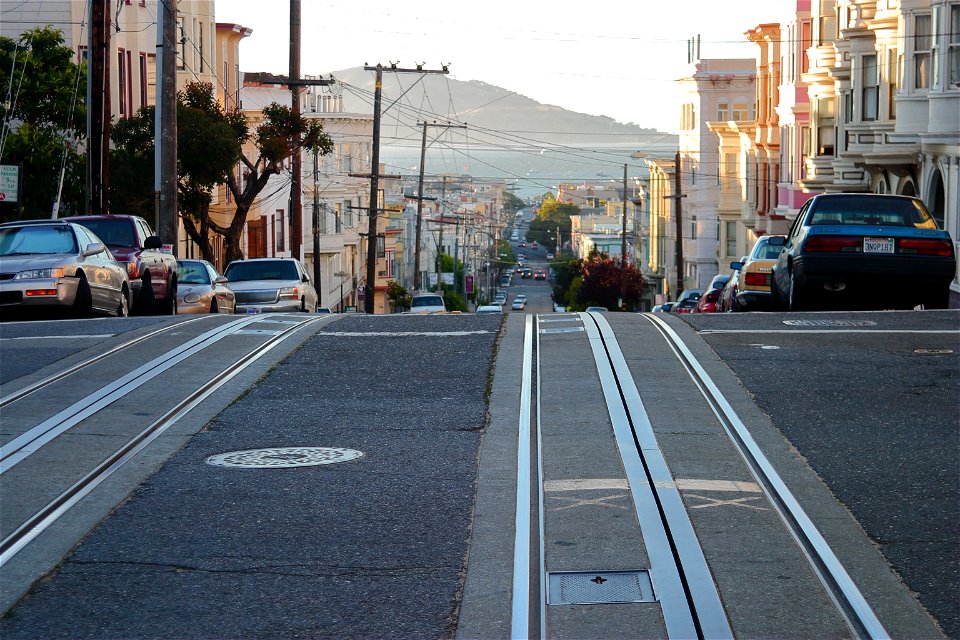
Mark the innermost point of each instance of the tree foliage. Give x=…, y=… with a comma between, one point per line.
x=553, y=214
x=511, y=202
x=398, y=295
x=44, y=120
x=602, y=282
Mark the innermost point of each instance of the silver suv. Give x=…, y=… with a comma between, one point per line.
x=264, y=285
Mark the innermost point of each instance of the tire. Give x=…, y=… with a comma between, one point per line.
x=797, y=300
x=83, y=303
x=146, y=303
x=169, y=306
x=303, y=305
x=123, y=309
x=213, y=306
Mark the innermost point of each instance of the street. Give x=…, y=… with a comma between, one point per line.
x=344, y=549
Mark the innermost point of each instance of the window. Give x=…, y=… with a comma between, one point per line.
x=805, y=37
x=731, y=249
x=81, y=54
x=870, y=87
x=693, y=227
x=122, y=72
x=826, y=129
x=723, y=111
x=381, y=246
x=893, y=82
x=200, y=45
x=730, y=167
x=347, y=213
x=278, y=228
x=741, y=111
x=847, y=107
x=338, y=218
x=922, y=43
x=953, y=48
x=143, y=79
x=181, y=40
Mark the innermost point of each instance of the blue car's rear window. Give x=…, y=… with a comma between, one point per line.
x=867, y=210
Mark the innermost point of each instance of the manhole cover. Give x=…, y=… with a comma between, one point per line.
x=604, y=587
x=933, y=351
x=284, y=457
x=830, y=323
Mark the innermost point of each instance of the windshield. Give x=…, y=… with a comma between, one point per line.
x=262, y=270
x=39, y=240
x=116, y=233
x=192, y=273
x=871, y=210
x=427, y=301
x=765, y=251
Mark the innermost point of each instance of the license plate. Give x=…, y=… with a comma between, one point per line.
x=878, y=245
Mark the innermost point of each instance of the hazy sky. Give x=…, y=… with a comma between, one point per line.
x=617, y=58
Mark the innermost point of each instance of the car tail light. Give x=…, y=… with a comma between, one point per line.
x=925, y=247
x=830, y=244
x=133, y=269
x=757, y=279
x=40, y=292
x=712, y=296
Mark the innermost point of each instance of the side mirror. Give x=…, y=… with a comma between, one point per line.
x=220, y=280
x=93, y=249
x=153, y=242
x=304, y=279
x=736, y=266
x=777, y=241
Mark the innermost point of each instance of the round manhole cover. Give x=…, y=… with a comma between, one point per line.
x=284, y=457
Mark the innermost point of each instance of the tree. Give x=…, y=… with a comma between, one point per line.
x=602, y=283
x=41, y=117
x=566, y=268
x=210, y=144
x=553, y=214
x=398, y=295
x=511, y=202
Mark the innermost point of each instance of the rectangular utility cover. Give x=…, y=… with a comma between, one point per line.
x=563, y=330
x=599, y=587
x=256, y=332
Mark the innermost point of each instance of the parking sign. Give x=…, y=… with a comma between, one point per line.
x=9, y=182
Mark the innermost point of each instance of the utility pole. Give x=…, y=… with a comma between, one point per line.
x=420, y=197
x=679, y=200
x=165, y=125
x=443, y=195
x=99, y=115
x=296, y=197
x=374, y=168
x=623, y=246
x=316, y=224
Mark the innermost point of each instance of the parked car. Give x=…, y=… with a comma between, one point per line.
x=427, y=303
x=663, y=308
x=152, y=273
x=754, y=290
x=685, y=306
x=539, y=274
x=597, y=309
x=550, y=255
x=845, y=248
x=708, y=301
x=526, y=273
x=56, y=265
x=271, y=284
x=534, y=245
x=690, y=294
x=490, y=308
x=728, y=297
x=518, y=304
x=200, y=289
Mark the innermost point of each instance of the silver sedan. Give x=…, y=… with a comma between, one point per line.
x=200, y=289
x=56, y=265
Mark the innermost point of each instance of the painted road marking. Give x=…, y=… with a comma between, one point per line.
x=931, y=331
x=601, y=501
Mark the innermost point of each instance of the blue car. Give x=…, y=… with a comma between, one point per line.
x=844, y=249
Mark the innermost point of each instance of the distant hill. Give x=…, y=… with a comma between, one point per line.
x=485, y=106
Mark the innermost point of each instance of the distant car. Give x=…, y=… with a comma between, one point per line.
x=427, y=303
x=754, y=289
x=550, y=255
x=518, y=304
x=534, y=245
x=526, y=273
x=685, y=306
x=597, y=309
x=523, y=245
x=490, y=308
x=271, y=284
x=200, y=289
x=324, y=310
x=539, y=274
x=56, y=265
x=152, y=272
x=690, y=294
x=864, y=248
x=663, y=308
x=708, y=301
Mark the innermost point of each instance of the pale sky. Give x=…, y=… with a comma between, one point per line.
x=617, y=58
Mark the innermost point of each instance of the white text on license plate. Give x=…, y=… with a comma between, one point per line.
x=878, y=245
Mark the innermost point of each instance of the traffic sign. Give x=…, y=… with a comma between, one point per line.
x=9, y=182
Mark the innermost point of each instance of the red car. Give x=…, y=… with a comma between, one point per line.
x=684, y=306
x=152, y=273
x=708, y=301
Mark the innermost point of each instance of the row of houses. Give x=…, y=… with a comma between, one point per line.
x=842, y=95
x=462, y=217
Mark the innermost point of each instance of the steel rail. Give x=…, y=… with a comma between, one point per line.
x=40, y=384
x=520, y=610
x=45, y=517
x=850, y=602
x=29, y=442
x=689, y=602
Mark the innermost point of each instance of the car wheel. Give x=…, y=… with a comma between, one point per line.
x=83, y=303
x=797, y=299
x=123, y=309
x=169, y=307
x=213, y=306
x=303, y=305
x=146, y=303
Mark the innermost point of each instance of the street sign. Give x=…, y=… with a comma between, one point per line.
x=9, y=182
x=468, y=283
